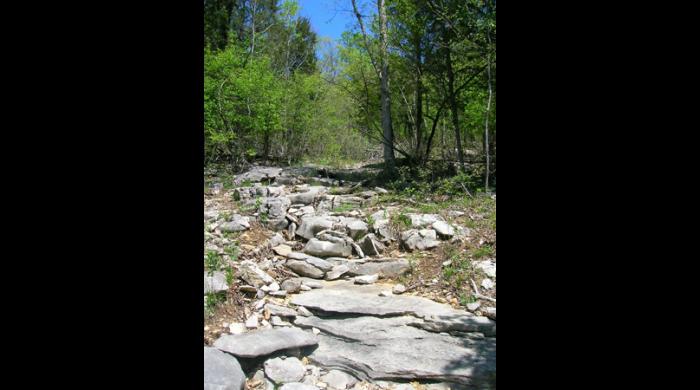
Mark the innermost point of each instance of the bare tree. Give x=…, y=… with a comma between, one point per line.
x=383, y=73
x=488, y=109
x=385, y=94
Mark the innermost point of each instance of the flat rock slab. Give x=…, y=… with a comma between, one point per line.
x=282, y=311
x=346, y=298
x=372, y=343
x=337, y=272
x=221, y=371
x=282, y=250
x=265, y=342
x=433, y=357
x=385, y=269
x=304, y=269
x=321, y=264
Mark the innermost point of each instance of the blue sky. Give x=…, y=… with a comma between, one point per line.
x=329, y=18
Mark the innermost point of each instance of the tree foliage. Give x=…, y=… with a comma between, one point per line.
x=275, y=90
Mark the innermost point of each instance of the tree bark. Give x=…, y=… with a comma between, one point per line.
x=252, y=20
x=453, y=101
x=266, y=145
x=389, y=159
x=488, y=110
x=419, y=101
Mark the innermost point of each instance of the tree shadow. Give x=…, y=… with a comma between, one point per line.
x=482, y=364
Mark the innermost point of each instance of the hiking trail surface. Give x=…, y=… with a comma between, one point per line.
x=315, y=279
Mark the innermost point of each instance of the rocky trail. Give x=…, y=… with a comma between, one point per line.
x=312, y=283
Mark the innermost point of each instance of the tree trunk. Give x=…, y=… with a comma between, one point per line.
x=266, y=145
x=453, y=103
x=389, y=160
x=419, y=102
x=252, y=20
x=486, y=124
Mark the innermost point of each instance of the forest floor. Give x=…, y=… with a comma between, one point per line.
x=455, y=269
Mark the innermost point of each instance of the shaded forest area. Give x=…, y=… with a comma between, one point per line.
x=412, y=86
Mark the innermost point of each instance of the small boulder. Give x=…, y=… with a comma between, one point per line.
x=252, y=322
x=337, y=272
x=215, y=283
x=238, y=223
x=281, y=311
x=339, y=380
x=253, y=275
x=305, y=269
x=311, y=225
x=291, y=285
x=320, y=248
x=356, y=228
x=282, y=250
x=371, y=246
x=221, y=371
x=284, y=370
x=419, y=239
x=473, y=306
x=366, y=279
x=422, y=220
x=443, y=229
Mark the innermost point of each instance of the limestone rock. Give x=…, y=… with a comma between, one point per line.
x=356, y=228
x=311, y=225
x=366, y=279
x=215, y=283
x=282, y=311
x=371, y=246
x=237, y=224
x=419, y=239
x=338, y=379
x=265, y=342
x=284, y=370
x=320, y=248
x=337, y=272
x=291, y=285
x=253, y=275
x=221, y=371
x=305, y=269
x=443, y=229
x=282, y=250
